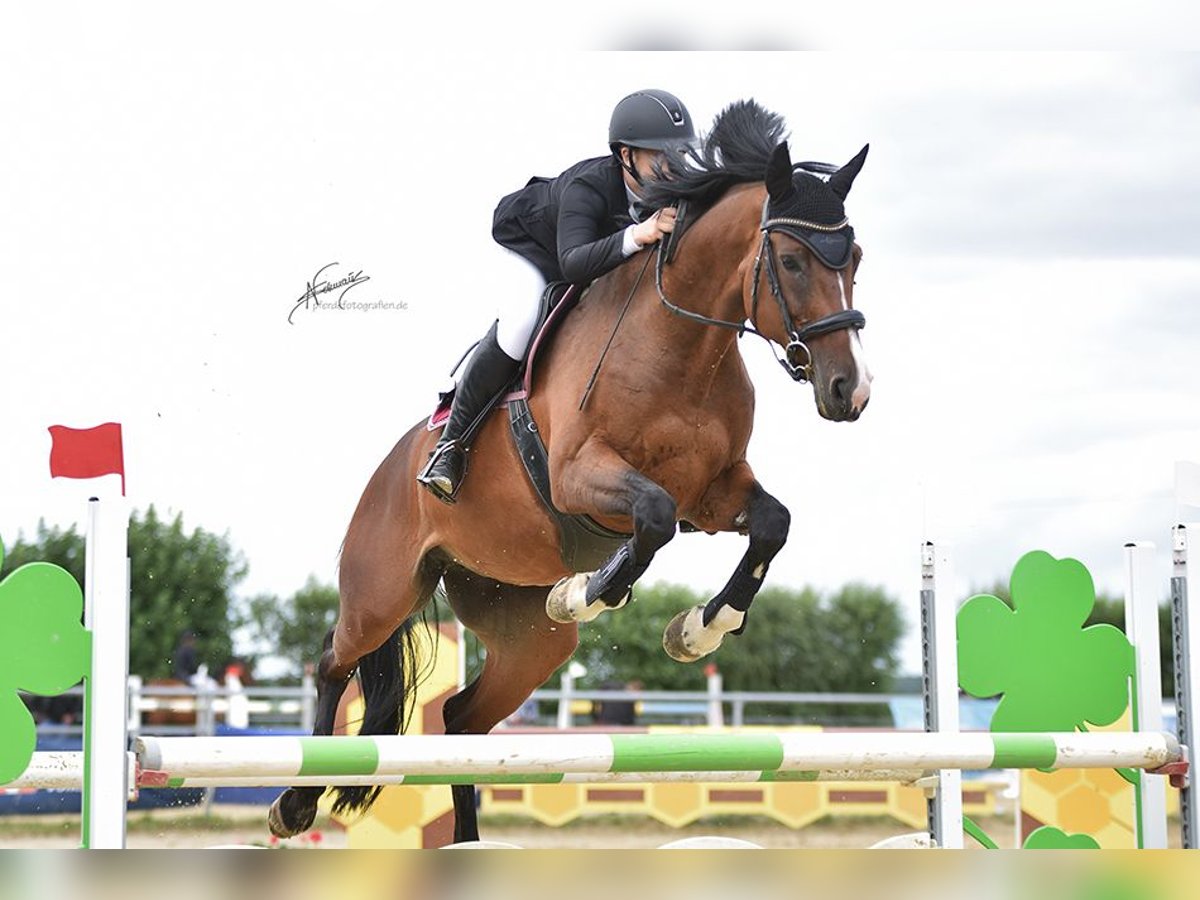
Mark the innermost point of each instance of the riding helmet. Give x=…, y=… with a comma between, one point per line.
x=650, y=119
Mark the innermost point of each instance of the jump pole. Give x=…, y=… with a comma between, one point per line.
x=438, y=759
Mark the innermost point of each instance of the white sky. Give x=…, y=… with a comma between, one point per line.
x=1029, y=221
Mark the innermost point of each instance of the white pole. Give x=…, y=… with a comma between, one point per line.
x=105, y=717
x=1141, y=627
x=716, y=710
x=939, y=637
x=566, y=686
x=308, y=699
x=135, y=704
x=462, y=654
x=237, y=713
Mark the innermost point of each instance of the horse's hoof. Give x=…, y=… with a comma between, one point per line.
x=291, y=821
x=687, y=639
x=566, y=597
x=679, y=638
x=567, y=600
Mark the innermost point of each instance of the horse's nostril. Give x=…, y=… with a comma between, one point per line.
x=837, y=389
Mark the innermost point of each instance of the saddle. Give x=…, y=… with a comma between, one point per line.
x=584, y=544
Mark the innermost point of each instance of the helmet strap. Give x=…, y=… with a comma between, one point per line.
x=627, y=166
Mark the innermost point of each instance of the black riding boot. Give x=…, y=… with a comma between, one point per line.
x=488, y=372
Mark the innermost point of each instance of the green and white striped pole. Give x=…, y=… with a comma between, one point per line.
x=441, y=759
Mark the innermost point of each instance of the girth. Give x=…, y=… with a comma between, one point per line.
x=583, y=542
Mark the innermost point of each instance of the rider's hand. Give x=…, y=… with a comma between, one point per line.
x=655, y=228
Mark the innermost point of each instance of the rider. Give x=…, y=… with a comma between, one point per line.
x=571, y=228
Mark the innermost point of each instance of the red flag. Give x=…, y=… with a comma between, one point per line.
x=87, y=452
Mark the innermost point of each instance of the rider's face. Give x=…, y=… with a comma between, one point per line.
x=643, y=161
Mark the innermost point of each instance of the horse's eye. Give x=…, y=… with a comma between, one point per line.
x=791, y=263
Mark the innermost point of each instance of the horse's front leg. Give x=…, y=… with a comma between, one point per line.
x=599, y=482
x=734, y=502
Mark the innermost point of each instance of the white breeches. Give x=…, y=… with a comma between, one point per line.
x=517, y=300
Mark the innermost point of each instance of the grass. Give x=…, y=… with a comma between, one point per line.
x=135, y=823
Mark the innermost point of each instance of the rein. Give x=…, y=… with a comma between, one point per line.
x=799, y=368
x=603, y=353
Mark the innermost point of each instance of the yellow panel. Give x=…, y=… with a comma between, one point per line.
x=372, y=834
x=1082, y=810
x=799, y=803
x=555, y=804
x=677, y=803
x=910, y=806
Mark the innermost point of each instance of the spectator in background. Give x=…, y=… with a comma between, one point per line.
x=184, y=662
x=615, y=712
x=238, y=666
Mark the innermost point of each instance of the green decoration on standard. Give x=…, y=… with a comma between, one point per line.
x=1053, y=674
x=44, y=649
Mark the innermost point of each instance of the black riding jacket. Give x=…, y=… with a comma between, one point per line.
x=569, y=227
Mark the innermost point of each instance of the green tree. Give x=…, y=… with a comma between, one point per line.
x=49, y=544
x=795, y=640
x=293, y=629
x=179, y=581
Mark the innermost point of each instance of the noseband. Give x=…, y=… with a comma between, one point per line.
x=797, y=360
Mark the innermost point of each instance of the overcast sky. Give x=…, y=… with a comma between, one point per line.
x=1029, y=222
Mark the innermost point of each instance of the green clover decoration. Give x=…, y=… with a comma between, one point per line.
x=44, y=649
x=1046, y=838
x=1053, y=674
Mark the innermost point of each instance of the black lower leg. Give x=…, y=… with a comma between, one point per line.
x=298, y=805
x=768, y=524
x=613, y=580
x=653, y=525
x=466, y=821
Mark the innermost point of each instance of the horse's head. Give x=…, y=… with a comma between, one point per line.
x=800, y=290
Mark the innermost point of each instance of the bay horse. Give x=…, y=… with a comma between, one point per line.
x=661, y=440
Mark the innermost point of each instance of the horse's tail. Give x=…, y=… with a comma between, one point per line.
x=388, y=678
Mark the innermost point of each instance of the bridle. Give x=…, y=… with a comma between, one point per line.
x=797, y=360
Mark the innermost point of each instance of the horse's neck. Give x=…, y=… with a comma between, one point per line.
x=704, y=277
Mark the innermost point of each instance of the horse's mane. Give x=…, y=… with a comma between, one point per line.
x=735, y=151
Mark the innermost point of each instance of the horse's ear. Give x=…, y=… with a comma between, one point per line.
x=841, y=180
x=779, y=173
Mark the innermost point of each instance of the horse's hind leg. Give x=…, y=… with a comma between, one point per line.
x=379, y=591
x=296, y=808
x=523, y=650
x=602, y=483
x=734, y=502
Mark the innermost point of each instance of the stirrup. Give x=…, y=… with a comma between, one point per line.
x=440, y=485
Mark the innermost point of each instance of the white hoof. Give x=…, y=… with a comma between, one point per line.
x=567, y=600
x=918, y=841
x=687, y=638
x=710, y=842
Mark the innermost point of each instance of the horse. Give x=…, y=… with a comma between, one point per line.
x=658, y=441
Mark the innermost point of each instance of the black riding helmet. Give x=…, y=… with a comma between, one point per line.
x=651, y=120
